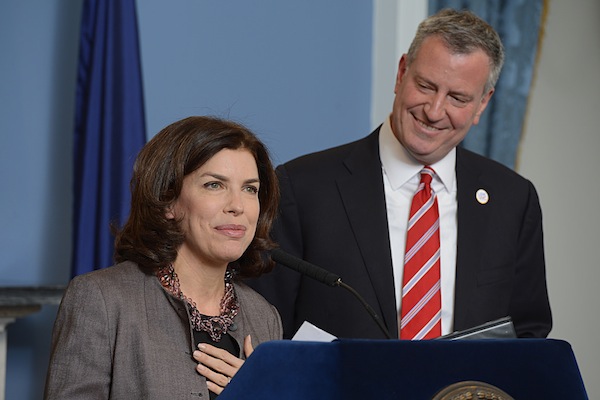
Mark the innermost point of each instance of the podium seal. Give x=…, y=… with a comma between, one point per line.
x=471, y=390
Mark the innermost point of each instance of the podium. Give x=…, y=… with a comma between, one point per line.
x=524, y=369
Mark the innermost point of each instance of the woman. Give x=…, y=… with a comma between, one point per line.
x=171, y=319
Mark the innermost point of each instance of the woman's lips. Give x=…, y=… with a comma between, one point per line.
x=230, y=230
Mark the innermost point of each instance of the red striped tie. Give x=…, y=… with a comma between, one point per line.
x=421, y=298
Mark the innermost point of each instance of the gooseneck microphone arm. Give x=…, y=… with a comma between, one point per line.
x=368, y=308
x=326, y=277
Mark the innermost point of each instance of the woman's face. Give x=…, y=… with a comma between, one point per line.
x=218, y=208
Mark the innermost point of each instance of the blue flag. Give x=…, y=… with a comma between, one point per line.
x=109, y=128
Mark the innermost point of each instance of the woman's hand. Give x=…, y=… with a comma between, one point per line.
x=218, y=366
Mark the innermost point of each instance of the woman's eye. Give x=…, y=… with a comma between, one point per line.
x=251, y=189
x=212, y=185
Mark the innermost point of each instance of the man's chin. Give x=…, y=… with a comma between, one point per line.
x=423, y=154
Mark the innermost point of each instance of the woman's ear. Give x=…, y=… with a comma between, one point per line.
x=169, y=213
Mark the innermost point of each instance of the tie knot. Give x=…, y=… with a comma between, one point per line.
x=427, y=175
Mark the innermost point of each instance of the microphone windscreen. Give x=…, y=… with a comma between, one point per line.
x=304, y=267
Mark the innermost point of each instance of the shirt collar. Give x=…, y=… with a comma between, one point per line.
x=400, y=166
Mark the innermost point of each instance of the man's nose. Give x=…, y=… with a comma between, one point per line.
x=435, y=108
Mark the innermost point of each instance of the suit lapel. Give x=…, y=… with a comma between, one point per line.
x=364, y=202
x=472, y=220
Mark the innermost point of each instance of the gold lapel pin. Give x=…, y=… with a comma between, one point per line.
x=482, y=196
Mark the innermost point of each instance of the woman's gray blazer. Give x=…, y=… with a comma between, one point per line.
x=119, y=335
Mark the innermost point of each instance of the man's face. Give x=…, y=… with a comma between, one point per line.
x=438, y=98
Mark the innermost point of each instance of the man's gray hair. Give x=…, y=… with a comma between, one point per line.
x=463, y=32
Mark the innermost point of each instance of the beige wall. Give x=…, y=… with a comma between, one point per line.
x=560, y=153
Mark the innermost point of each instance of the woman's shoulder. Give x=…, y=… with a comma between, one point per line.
x=254, y=307
x=111, y=278
x=244, y=291
x=123, y=286
x=251, y=299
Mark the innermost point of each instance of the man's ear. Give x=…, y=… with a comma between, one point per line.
x=402, y=66
x=485, y=100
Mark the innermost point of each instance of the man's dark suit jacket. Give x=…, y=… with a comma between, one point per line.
x=333, y=214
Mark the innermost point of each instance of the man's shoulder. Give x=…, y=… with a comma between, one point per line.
x=486, y=167
x=327, y=158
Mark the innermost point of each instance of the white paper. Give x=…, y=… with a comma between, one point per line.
x=310, y=333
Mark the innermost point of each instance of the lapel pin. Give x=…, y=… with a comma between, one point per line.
x=482, y=196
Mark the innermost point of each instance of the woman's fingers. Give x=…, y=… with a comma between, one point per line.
x=215, y=381
x=218, y=366
x=248, y=348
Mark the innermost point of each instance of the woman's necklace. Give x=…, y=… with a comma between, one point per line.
x=215, y=326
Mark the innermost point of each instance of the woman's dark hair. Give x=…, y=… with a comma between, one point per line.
x=151, y=239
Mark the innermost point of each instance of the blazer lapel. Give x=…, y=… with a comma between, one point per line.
x=364, y=201
x=473, y=217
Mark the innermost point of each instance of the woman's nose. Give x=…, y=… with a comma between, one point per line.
x=235, y=204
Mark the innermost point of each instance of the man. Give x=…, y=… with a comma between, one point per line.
x=346, y=208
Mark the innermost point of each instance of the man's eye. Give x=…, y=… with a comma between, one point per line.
x=459, y=100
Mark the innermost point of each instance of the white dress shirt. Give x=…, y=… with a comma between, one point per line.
x=401, y=177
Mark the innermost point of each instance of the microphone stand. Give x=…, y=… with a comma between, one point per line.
x=325, y=277
x=367, y=307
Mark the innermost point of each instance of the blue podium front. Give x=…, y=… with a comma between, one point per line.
x=393, y=369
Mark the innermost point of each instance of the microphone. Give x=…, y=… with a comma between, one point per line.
x=305, y=268
x=323, y=276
